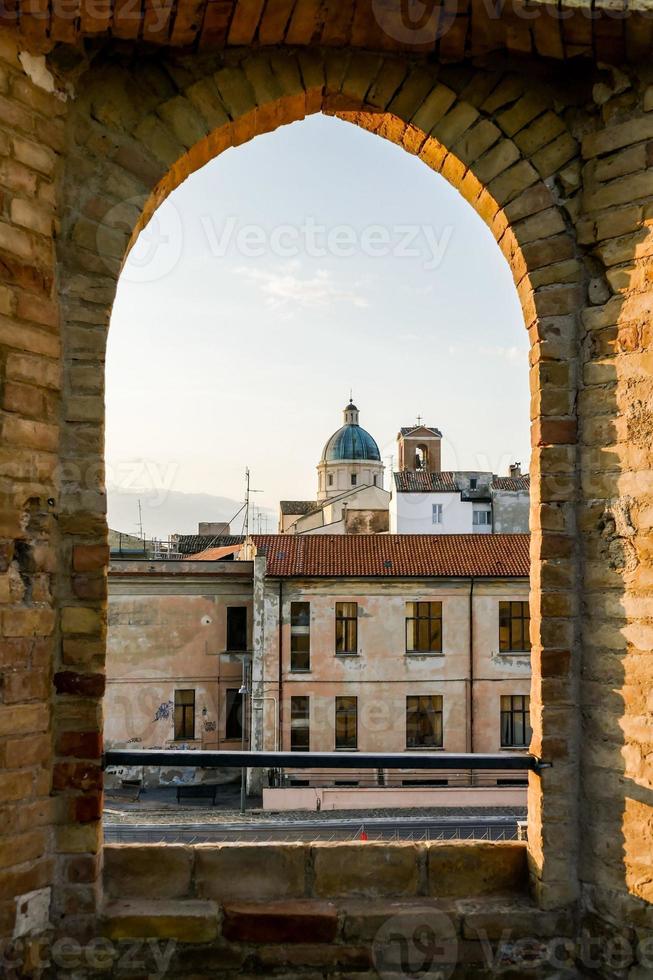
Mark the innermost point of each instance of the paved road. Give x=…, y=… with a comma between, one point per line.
x=379, y=828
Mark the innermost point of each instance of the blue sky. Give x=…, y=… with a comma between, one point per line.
x=312, y=260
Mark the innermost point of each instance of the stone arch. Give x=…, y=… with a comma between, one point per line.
x=140, y=126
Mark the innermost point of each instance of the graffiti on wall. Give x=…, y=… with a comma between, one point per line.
x=164, y=711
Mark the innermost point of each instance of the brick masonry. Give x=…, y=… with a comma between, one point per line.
x=555, y=155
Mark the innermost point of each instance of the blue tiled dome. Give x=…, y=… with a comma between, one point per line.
x=350, y=442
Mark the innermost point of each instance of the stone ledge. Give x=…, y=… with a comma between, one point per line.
x=146, y=870
x=370, y=869
x=250, y=871
x=187, y=922
x=307, y=921
x=470, y=869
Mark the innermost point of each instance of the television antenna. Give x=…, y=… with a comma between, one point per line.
x=248, y=492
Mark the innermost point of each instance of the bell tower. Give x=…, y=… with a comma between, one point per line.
x=419, y=448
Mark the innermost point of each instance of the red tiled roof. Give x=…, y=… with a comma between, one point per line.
x=395, y=555
x=421, y=481
x=515, y=483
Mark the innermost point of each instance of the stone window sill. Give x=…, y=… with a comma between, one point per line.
x=424, y=653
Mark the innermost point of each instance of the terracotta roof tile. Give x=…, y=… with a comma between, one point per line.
x=512, y=483
x=423, y=482
x=395, y=555
x=407, y=429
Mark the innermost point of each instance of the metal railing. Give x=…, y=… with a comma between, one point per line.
x=209, y=759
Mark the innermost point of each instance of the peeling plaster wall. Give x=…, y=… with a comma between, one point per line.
x=510, y=511
x=383, y=674
x=167, y=630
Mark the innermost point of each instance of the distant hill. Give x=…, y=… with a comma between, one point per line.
x=168, y=512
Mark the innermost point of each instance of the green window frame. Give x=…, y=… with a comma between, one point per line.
x=346, y=728
x=346, y=628
x=184, y=714
x=423, y=627
x=300, y=724
x=516, y=729
x=514, y=627
x=300, y=636
x=424, y=721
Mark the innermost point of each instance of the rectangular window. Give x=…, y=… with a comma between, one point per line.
x=515, y=721
x=237, y=629
x=300, y=636
x=184, y=715
x=423, y=627
x=346, y=723
x=424, y=721
x=346, y=627
x=481, y=518
x=437, y=513
x=234, y=723
x=300, y=726
x=514, y=627
x=353, y=479
x=330, y=479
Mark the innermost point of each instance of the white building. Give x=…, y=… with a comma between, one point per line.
x=427, y=500
x=458, y=503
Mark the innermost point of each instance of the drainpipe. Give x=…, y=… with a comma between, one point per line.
x=471, y=664
x=280, y=679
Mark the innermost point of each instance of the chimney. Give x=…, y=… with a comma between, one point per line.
x=515, y=471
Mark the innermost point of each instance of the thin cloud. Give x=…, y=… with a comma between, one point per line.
x=284, y=287
x=513, y=354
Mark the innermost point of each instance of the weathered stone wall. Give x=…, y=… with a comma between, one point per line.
x=32, y=552
x=503, y=139
x=554, y=155
x=336, y=910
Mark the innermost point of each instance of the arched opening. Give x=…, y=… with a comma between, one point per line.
x=471, y=144
x=422, y=458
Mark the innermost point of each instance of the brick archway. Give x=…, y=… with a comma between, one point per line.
x=79, y=175
x=140, y=129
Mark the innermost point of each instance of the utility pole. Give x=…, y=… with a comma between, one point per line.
x=248, y=492
x=246, y=730
x=140, y=520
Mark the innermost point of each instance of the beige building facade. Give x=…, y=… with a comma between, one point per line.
x=178, y=633
x=434, y=657
x=378, y=661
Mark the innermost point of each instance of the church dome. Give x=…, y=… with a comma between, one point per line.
x=350, y=442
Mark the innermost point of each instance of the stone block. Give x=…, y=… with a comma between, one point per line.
x=364, y=918
x=250, y=871
x=612, y=138
x=468, y=869
x=304, y=921
x=495, y=919
x=147, y=870
x=365, y=869
x=328, y=956
x=185, y=922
